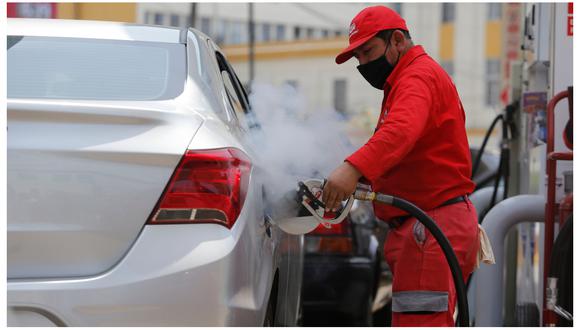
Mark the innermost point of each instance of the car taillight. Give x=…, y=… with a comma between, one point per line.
x=336, y=239
x=208, y=186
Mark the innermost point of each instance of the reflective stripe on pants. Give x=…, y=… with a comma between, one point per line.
x=420, y=301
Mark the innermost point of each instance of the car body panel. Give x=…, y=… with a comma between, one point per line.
x=204, y=280
x=83, y=179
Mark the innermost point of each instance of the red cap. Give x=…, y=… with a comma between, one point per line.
x=366, y=24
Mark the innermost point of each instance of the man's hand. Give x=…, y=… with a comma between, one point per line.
x=340, y=184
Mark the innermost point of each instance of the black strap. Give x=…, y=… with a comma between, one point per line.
x=453, y=201
x=397, y=222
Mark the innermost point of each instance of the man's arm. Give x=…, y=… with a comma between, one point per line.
x=402, y=128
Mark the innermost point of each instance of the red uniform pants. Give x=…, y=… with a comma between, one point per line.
x=423, y=289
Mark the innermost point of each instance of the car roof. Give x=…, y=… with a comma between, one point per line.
x=93, y=30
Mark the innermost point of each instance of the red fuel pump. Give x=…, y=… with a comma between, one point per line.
x=552, y=157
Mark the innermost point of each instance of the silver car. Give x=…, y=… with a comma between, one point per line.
x=133, y=195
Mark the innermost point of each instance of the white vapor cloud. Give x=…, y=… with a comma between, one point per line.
x=295, y=142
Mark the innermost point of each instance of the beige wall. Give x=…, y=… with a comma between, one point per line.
x=119, y=12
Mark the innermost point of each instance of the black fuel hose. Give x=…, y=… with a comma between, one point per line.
x=485, y=140
x=462, y=306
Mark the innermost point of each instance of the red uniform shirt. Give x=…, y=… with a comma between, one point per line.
x=419, y=151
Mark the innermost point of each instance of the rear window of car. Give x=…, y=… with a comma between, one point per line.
x=93, y=69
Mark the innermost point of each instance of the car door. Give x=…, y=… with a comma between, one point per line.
x=289, y=248
x=267, y=243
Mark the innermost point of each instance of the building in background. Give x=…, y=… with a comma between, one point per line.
x=296, y=44
x=32, y=10
x=101, y=11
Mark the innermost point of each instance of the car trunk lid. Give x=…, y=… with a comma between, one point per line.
x=83, y=178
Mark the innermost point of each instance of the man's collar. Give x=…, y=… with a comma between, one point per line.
x=404, y=61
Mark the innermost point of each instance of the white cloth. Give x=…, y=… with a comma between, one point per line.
x=485, y=252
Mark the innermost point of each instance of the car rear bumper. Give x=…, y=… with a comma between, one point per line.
x=338, y=290
x=174, y=275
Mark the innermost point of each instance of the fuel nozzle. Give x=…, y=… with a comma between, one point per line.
x=310, y=195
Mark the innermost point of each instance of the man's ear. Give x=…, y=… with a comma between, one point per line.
x=399, y=39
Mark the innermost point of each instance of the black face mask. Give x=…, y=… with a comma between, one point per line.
x=377, y=71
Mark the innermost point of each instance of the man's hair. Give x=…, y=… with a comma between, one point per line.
x=386, y=34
